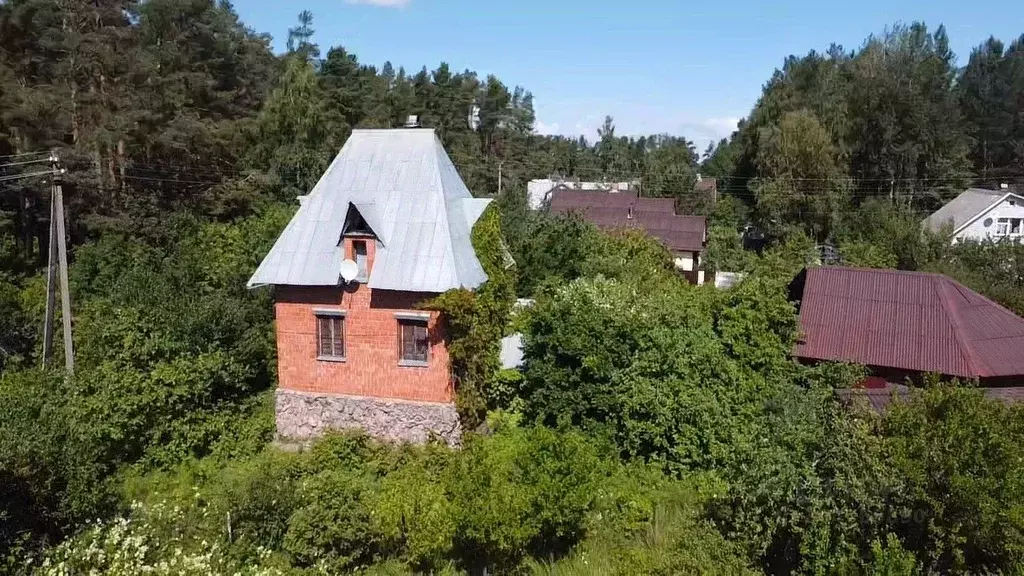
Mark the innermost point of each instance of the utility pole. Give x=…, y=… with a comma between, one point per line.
x=51, y=276
x=500, y=162
x=58, y=252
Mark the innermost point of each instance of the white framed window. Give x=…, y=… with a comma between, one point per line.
x=330, y=335
x=1002, y=227
x=1015, y=224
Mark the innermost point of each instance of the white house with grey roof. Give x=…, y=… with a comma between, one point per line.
x=361, y=350
x=979, y=214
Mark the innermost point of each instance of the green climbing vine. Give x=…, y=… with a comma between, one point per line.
x=477, y=320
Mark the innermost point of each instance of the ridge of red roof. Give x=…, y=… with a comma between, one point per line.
x=914, y=321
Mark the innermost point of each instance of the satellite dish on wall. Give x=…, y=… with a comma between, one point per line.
x=349, y=270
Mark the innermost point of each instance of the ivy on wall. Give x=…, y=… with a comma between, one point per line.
x=477, y=320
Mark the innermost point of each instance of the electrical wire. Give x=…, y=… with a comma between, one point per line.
x=23, y=154
x=177, y=181
x=21, y=176
x=9, y=164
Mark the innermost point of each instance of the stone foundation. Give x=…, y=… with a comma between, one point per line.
x=306, y=415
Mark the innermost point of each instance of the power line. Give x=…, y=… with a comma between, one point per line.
x=177, y=181
x=24, y=154
x=23, y=163
x=29, y=175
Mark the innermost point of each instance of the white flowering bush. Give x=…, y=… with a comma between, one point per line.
x=152, y=540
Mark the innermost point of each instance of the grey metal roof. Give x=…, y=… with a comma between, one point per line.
x=411, y=196
x=962, y=209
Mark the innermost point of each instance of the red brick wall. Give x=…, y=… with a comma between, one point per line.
x=371, y=343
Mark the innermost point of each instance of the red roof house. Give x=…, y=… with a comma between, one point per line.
x=684, y=236
x=906, y=324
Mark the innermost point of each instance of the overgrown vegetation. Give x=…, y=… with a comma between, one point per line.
x=656, y=427
x=350, y=503
x=477, y=320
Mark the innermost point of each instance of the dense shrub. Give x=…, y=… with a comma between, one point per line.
x=676, y=540
x=333, y=529
x=353, y=503
x=995, y=269
x=647, y=368
x=153, y=540
x=52, y=469
x=522, y=491
x=960, y=461
x=173, y=357
x=416, y=516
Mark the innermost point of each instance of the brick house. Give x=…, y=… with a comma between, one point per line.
x=363, y=353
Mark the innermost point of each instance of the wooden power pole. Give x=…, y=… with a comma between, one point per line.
x=57, y=271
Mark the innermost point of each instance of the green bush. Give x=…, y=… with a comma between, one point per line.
x=416, y=516
x=333, y=528
x=152, y=540
x=675, y=538
x=258, y=497
x=960, y=505
x=521, y=491
x=647, y=368
x=53, y=472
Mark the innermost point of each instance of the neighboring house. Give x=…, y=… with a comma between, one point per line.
x=978, y=214
x=707, y=186
x=684, y=236
x=903, y=325
x=539, y=191
x=363, y=353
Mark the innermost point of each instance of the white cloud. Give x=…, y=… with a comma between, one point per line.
x=546, y=129
x=709, y=129
x=382, y=3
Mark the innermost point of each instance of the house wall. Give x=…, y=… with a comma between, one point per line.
x=364, y=389
x=371, y=345
x=688, y=263
x=1012, y=207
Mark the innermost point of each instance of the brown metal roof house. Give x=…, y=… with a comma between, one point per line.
x=684, y=236
x=906, y=324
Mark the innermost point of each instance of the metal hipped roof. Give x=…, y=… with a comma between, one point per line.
x=911, y=321
x=411, y=195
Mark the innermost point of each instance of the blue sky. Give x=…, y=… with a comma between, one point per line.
x=672, y=66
